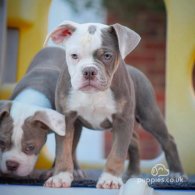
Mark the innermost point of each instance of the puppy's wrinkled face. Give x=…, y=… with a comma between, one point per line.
x=92, y=56
x=93, y=51
x=20, y=145
x=23, y=132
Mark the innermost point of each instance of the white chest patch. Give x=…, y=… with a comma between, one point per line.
x=94, y=108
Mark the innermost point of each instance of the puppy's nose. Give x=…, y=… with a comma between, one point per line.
x=12, y=165
x=89, y=73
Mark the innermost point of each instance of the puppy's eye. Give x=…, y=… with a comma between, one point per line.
x=29, y=149
x=107, y=56
x=74, y=56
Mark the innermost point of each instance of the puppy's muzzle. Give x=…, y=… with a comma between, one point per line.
x=12, y=165
x=89, y=73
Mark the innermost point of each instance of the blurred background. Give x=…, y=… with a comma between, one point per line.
x=28, y=21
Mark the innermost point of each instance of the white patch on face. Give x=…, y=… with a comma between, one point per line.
x=93, y=107
x=83, y=44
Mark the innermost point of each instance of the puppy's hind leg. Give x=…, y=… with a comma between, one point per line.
x=152, y=121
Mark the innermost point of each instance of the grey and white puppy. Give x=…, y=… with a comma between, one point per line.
x=29, y=116
x=99, y=91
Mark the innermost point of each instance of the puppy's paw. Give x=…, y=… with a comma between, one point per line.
x=61, y=180
x=109, y=181
x=79, y=174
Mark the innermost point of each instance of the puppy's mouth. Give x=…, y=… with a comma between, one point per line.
x=92, y=86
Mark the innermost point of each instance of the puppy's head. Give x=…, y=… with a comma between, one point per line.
x=93, y=52
x=23, y=132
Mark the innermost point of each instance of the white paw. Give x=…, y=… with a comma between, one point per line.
x=109, y=181
x=61, y=180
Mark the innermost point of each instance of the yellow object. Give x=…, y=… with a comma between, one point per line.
x=45, y=161
x=5, y=91
x=180, y=97
x=30, y=17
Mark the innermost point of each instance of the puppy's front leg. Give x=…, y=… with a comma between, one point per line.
x=63, y=170
x=122, y=132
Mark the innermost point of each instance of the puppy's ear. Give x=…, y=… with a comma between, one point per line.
x=62, y=32
x=5, y=107
x=127, y=39
x=50, y=120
